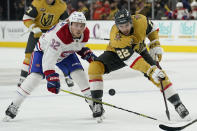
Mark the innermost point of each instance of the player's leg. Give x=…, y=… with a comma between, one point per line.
x=72, y=66
x=105, y=63
x=171, y=94
x=27, y=86
x=29, y=49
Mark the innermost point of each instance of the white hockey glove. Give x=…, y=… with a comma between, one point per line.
x=36, y=30
x=155, y=73
x=155, y=50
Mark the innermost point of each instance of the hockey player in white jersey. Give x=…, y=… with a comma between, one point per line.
x=57, y=48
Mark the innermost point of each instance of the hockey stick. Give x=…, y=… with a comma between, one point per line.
x=164, y=96
x=107, y=104
x=97, y=38
x=178, y=128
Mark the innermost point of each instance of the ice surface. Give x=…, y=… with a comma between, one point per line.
x=43, y=111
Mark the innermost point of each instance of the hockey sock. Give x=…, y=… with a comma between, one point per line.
x=175, y=99
x=27, y=87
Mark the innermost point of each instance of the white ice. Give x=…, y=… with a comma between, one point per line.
x=43, y=111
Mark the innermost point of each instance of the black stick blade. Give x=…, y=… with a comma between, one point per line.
x=178, y=128
x=168, y=128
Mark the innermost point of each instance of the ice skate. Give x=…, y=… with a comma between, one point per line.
x=98, y=112
x=11, y=112
x=182, y=111
x=69, y=82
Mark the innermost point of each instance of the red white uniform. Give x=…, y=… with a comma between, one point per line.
x=58, y=44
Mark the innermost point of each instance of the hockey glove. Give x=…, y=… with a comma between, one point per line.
x=155, y=50
x=53, y=82
x=87, y=54
x=37, y=32
x=155, y=74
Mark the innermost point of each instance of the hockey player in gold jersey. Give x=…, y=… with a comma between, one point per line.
x=39, y=17
x=127, y=48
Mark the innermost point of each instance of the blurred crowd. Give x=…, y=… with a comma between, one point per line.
x=105, y=9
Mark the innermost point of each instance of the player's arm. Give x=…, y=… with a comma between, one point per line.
x=155, y=49
x=64, y=16
x=50, y=57
x=87, y=54
x=136, y=62
x=28, y=20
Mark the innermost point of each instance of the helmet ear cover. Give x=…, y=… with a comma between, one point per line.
x=122, y=16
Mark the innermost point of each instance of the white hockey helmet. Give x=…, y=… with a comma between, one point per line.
x=179, y=4
x=194, y=3
x=78, y=17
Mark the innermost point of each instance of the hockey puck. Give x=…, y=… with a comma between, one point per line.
x=112, y=92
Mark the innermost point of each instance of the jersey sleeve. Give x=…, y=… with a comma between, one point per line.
x=31, y=11
x=51, y=55
x=151, y=27
x=29, y=16
x=64, y=15
x=152, y=31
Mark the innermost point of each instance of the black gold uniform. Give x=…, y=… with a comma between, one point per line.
x=43, y=16
x=130, y=50
x=122, y=47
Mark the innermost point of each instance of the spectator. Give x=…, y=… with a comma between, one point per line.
x=180, y=13
x=123, y=4
x=186, y=5
x=70, y=8
x=107, y=10
x=19, y=6
x=193, y=14
x=113, y=10
x=99, y=11
x=159, y=11
x=82, y=8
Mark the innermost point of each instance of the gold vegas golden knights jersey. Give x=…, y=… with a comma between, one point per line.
x=44, y=15
x=141, y=28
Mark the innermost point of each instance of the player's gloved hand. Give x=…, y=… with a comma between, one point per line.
x=155, y=50
x=53, y=82
x=37, y=32
x=155, y=74
x=87, y=54
x=89, y=57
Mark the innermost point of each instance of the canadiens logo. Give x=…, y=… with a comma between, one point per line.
x=118, y=36
x=42, y=9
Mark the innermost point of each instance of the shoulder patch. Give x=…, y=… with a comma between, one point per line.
x=64, y=35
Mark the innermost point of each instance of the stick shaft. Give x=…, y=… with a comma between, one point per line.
x=164, y=96
x=98, y=38
x=107, y=104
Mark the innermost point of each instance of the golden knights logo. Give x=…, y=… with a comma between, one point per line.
x=46, y=19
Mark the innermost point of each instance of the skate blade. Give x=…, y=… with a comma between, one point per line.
x=99, y=119
x=6, y=119
x=187, y=118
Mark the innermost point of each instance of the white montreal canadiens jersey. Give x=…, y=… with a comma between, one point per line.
x=58, y=44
